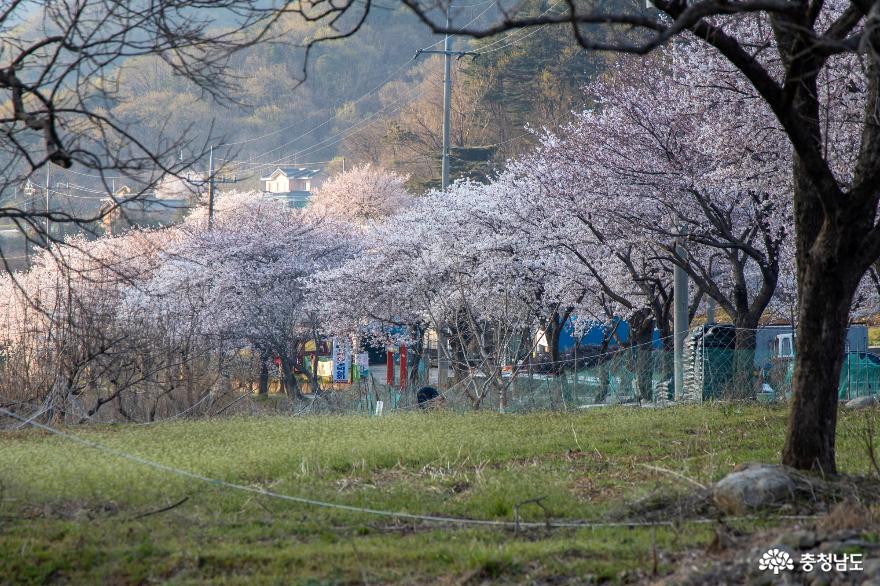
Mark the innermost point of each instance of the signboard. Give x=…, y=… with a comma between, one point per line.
x=363, y=362
x=341, y=361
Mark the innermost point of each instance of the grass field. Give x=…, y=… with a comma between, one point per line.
x=73, y=514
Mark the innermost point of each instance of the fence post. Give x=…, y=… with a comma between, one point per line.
x=680, y=322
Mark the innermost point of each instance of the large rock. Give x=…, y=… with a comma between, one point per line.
x=753, y=486
x=861, y=403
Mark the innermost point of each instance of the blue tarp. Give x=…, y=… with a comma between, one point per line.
x=596, y=333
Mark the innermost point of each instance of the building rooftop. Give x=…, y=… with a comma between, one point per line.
x=292, y=173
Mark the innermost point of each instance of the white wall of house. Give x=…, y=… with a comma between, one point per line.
x=280, y=184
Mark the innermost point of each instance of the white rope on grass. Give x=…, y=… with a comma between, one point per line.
x=31, y=418
x=377, y=512
x=176, y=415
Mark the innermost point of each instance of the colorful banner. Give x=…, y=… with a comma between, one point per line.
x=341, y=361
x=362, y=361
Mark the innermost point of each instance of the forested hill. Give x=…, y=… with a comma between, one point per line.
x=368, y=98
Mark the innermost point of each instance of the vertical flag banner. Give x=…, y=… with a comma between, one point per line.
x=362, y=360
x=341, y=361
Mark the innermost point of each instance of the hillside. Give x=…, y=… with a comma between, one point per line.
x=366, y=98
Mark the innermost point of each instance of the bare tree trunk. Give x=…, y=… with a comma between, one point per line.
x=743, y=380
x=554, y=332
x=827, y=243
x=289, y=378
x=641, y=334
x=263, y=387
x=56, y=399
x=416, y=353
x=821, y=334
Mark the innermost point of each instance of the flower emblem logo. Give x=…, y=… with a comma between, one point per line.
x=776, y=560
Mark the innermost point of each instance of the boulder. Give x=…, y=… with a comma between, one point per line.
x=872, y=567
x=801, y=539
x=861, y=403
x=752, y=487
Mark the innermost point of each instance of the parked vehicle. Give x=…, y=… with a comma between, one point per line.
x=859, y=374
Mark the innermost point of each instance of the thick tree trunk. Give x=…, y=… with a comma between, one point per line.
x=828, y=242
x=263, y=385
x=603, y=370
x=55, y=402
x=459, y=340
x=288, y=377
x=819, y=347
x=641, y=335
x=554, y=331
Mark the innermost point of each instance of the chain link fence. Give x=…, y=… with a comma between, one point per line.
x=714, y=369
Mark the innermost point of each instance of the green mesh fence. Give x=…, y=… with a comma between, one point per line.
x=626, y=376
x=632, y=376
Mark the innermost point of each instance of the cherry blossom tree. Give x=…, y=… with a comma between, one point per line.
x=253, y=268
x=608, y=275
x=158, y=317
x=662, y=177
x=452, y=260
x=362, y=195
x=69, y=347
x=788, y=56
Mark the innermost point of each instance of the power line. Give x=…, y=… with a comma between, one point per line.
x=129, y=176
x=357, y=127
x=477, y=17
x=322, y=124
x=382, y=84
x=369, y=117
x=255, y=164
x=483, y=50
x=313, y=148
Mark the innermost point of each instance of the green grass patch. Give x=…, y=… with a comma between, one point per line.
x=69, y=513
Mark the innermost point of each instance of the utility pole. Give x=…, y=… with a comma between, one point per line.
x=447, y=52
x=47, y=206
x=447, y=104
x=679, y=320
x=29, y=191
x=211, y=189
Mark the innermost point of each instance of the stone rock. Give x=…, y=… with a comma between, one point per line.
x=860, y=403
x=801, y=539
x=872, y=567
x=753, y=487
